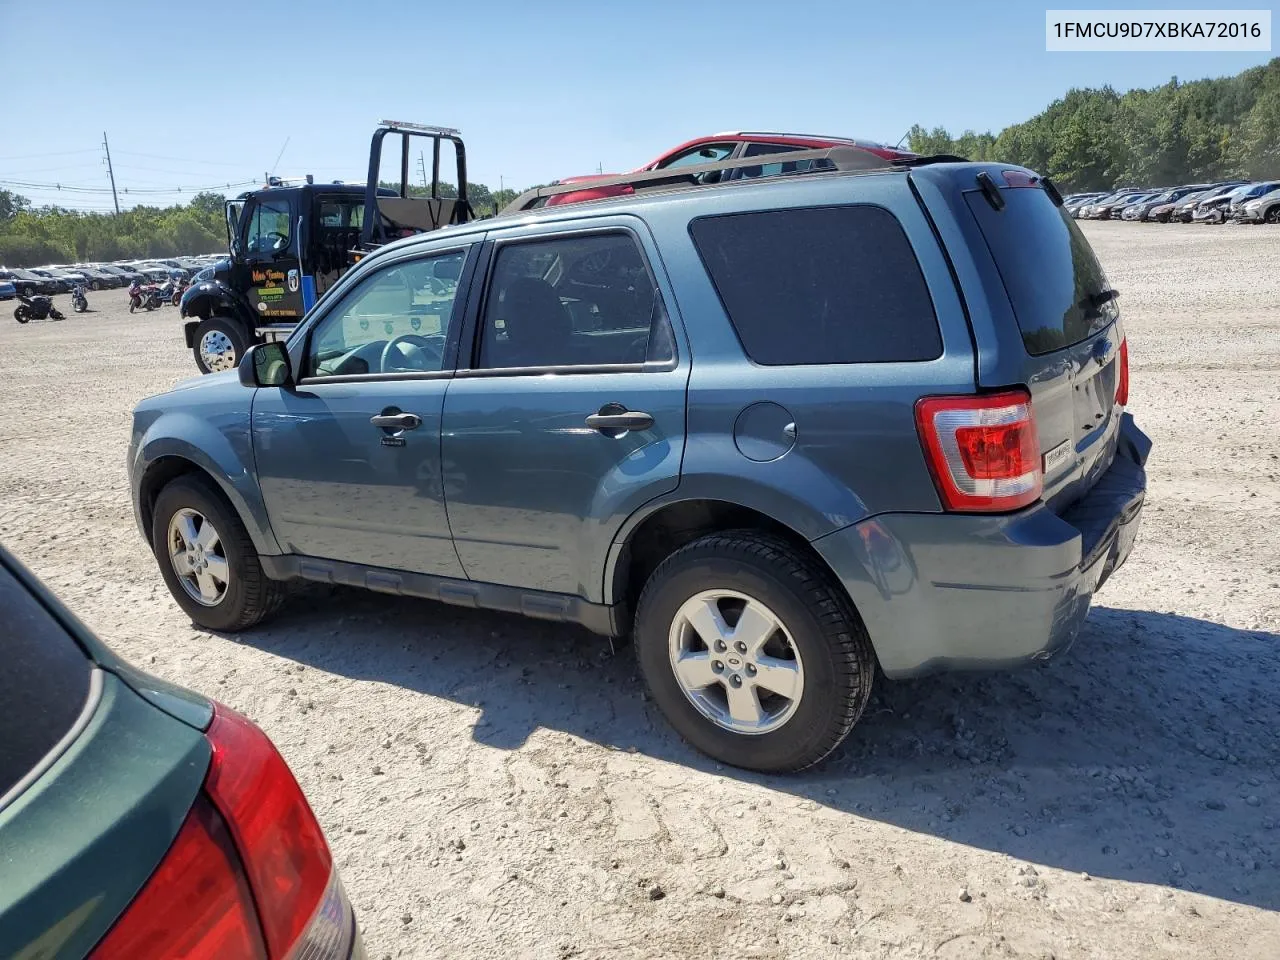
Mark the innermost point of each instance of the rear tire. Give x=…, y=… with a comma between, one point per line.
x=816, y=646
x=56, y=314
x=240, y=594
x=22, y=314
x=1273, y=215
x=218, y=344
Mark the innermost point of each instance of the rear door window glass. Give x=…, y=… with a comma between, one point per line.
x=44, y=683
x=820, y=285
x=575, y=301
x=1055, y=284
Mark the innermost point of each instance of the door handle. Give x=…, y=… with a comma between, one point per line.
x=397, y=421
x=620, y=420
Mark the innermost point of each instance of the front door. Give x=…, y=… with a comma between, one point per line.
x=571, y=414
x=269, y=257
x=349, y=458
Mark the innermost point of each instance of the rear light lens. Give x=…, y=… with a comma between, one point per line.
x=1122, y=381
x=286, y=857
x=1016, y=178
x=982, y=450
x=249, y=875
x=196, y=905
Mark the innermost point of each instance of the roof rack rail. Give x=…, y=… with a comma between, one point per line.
x=827, y=159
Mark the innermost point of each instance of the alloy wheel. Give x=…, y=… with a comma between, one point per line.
x=197, y=556
x=736, y=662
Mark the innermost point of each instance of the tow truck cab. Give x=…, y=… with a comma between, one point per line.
x=290, y=241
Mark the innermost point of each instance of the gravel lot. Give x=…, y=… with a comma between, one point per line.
x=494, y=787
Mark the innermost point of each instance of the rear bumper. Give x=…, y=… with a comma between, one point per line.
x=960, y=591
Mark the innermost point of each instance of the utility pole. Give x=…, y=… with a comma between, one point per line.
x=422, y=163
x=110, y=173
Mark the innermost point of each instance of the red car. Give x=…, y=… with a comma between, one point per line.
x=733, y=145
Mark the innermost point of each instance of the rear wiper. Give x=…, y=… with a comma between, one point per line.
x=1101, y=298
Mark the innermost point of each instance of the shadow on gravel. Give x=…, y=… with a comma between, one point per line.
x=1149, y=752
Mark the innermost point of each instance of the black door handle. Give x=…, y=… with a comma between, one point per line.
x=397, y=421
x=621, y=420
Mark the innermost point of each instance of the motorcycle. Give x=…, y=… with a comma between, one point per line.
x=179, y=289
x=79, y=302
x=36, y=308
x=143, y=297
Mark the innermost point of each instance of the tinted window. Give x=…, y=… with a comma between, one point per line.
x=1053, y=279
x=394, y=321
x=43, y=685
x=826, y=285
x=572, y=301
x=770, y=169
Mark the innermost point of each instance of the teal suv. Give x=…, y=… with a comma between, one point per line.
x=778, y=430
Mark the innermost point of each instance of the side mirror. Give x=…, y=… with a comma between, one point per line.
x=265, y=365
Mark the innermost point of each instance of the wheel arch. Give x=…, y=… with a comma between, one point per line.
x=164, y=459
x=664, y=527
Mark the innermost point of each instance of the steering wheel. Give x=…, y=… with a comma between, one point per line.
x=423, y=350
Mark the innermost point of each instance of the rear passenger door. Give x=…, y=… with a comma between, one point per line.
x=570, y=412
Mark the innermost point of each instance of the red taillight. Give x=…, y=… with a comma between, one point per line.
x=1016, y=178
x=249, y=875
x=196, y=905
x=285, y=854
x=982, y=450
x=1122, y=381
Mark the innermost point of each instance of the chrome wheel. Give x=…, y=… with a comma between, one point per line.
x=195, y=550
x=736, y=662
x=217, y=351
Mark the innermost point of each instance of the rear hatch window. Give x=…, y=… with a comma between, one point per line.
x=1056, y=286
x=43, y=686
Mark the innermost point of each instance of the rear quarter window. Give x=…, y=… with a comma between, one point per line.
x=820, y=285
x=43, y=685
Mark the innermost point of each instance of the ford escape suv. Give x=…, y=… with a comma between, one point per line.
x=777, y=430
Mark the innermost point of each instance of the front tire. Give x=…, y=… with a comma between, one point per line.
x=218, y=344
x=22, y=314
x=207, y=559
x=783, y=694
x=1273, y=215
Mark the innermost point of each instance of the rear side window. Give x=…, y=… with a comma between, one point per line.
x=820, y=285
x=1053, y=279
x=44, y=683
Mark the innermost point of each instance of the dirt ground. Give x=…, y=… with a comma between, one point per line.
x=494, y=787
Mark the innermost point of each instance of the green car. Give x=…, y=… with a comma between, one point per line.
x=139, y=820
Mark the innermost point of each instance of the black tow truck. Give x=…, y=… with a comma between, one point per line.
x=291, y=240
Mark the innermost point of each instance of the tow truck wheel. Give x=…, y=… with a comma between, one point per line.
x=218, y=345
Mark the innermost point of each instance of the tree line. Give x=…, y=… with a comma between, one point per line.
x=31, y=236
x=1097, y=139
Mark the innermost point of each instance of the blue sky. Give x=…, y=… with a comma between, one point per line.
x=198, y=94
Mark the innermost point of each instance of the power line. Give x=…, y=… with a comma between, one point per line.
x=156, y=156
x=145, y=191
x=41, y=156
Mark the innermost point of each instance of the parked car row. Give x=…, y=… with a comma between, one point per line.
x=1244, y=201
x=53, y=279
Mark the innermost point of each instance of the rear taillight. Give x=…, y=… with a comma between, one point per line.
x=1122, y=380
x=982, y=450
x=196, y=905
x=284, y=851
x=273, y=884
